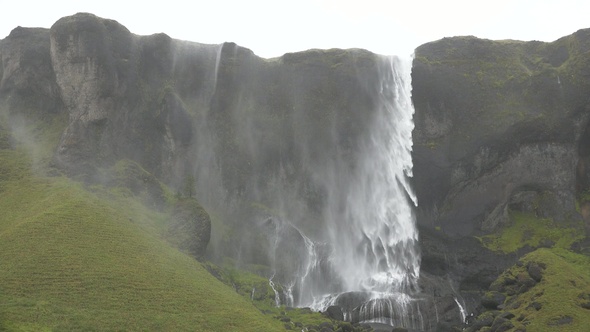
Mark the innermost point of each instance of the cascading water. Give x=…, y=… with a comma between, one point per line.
x=368, y=262
x=380, y=251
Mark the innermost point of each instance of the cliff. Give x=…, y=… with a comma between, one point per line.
x=500, y=125
x=500, y=158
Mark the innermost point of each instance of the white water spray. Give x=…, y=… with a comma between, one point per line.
x=379, y=251
x=461, y=310
x=371, y=227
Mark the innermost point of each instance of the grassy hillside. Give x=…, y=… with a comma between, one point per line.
x=71, y=259
x=558, y=300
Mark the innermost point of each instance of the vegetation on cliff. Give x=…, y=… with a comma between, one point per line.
x=547, y=290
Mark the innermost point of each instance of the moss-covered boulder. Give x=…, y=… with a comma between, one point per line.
x=190, y=227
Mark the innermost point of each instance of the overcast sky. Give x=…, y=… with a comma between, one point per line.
x=273, y=27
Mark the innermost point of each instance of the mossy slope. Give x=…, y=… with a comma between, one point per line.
x=558, y=301
x=71, y=259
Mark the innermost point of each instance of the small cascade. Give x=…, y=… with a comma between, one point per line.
x=288, y=293
x=252, y=293
x=274, y=289
x=461, y=310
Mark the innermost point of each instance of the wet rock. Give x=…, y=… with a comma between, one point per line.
x=334, y=312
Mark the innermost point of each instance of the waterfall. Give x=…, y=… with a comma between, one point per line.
x=380, y=252
x=461, y=311
x=368, y=261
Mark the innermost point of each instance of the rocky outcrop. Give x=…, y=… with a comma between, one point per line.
x=27, y=78
x=118, y=89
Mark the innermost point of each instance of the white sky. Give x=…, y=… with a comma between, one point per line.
x=273, y=27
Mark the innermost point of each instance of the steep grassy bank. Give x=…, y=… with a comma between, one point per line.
x=71, y=259
x=547, y=290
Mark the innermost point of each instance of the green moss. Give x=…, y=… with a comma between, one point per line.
x=527, y=229
x=563, y=289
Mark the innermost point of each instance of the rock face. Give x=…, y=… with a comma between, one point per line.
x=500, y=125
x=501, y=129
x=118, y=91
x=235, y=122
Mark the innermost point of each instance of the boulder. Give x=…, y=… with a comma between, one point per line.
x=535, y=271
x=334, y=312
x=190, y=227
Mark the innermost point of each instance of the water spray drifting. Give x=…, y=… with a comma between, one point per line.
x=373, y=263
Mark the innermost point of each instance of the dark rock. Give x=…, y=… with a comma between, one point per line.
x=345, y=327
x=334, y=312
x=546, y=243
x=501, y=324
x=485, y=319
x=524, y=283
x=563, y=320
x=535, y=271
x=535, y=305
x=190, y=227
x=507, y=315
x=514, y=304
x=493, y=299
x=326, y=327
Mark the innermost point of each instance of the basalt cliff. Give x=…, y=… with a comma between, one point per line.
x=229, y=145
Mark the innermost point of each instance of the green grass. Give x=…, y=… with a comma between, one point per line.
x=257, y=290
x=71, y=259
x=565, y=282
x=527, y=229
